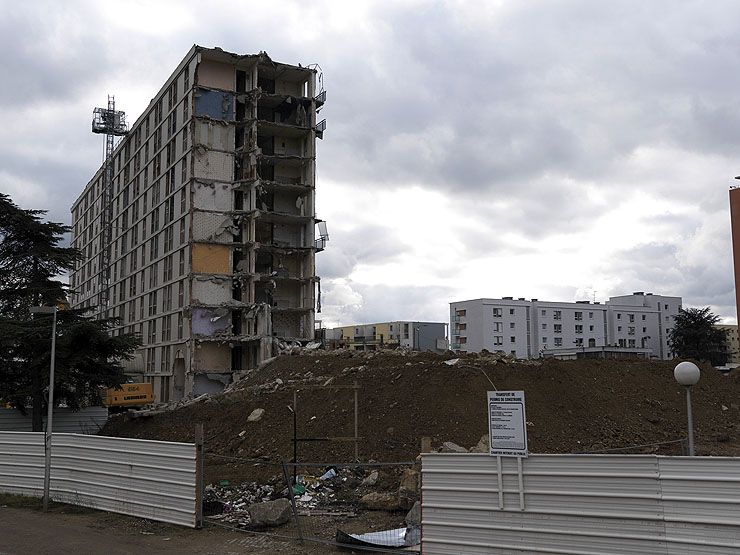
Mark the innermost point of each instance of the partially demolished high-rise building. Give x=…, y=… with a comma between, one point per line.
x=210, y=221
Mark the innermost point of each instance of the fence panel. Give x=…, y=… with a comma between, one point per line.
x=89, y=420
x=580, y=504
x=22, y=463
x=148, y=479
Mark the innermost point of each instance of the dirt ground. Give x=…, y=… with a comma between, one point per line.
x=69, y=530
x=572, y=406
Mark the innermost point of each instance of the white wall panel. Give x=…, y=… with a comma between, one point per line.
x=148, y=479
x=580, y=504
x=210, y=164
x=213, y=196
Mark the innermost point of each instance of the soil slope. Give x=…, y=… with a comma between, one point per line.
x=572, y=406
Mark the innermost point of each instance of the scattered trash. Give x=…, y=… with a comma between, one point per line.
x=398, y=537
x=452, y=361
x=331, y=473
x=224, y=483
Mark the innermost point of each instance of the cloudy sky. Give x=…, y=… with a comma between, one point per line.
x=562, y=150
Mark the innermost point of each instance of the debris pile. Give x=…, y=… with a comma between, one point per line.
x=572, y=406
x=345, y=491
x=231, y=503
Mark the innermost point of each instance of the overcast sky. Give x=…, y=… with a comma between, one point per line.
x=562, y=150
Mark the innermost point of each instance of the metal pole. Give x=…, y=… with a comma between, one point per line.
x=50, y=413
x=295, y=436
x=199, y=472
x=690, y=417
x=357, y=456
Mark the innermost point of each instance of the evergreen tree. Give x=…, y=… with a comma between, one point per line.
x=695, y=336
x=87, y=355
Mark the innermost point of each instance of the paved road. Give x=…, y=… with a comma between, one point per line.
x=24, y=531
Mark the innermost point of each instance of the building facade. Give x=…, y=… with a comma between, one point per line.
x=213, y=221
x=733, y=342
x=631, y=324
x=418, y=336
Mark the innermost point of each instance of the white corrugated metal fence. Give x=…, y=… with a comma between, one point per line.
x=582, y=504
x=89, y=420
x=150, y=479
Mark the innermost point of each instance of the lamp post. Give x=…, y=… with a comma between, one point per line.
x=687, y=374
x=50, y=408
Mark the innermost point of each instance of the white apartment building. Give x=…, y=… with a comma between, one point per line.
x=211, y=243
x=635, y=324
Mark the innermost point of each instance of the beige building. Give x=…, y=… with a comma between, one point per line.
x=733, y=345
x=212, y=252
x=419, y=336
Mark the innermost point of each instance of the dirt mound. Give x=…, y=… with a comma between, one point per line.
x=572, y=406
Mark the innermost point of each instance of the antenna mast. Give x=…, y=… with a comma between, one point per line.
x=108, y=122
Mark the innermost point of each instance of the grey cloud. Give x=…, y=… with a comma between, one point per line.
x=366, y=244
x=38, y=66
x=380, y=303
x=522, y=103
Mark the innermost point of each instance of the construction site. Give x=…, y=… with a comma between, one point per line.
x=200, y=234
x=412, y=402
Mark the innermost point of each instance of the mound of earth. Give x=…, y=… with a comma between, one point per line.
x=572, y=406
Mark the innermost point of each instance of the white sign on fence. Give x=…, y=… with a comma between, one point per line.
x=507, y=423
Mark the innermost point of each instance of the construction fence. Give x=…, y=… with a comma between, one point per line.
x=89, y=420
x=580, y=504
x=157, y=480
x=365, y=506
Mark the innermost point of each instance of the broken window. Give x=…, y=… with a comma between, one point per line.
x=267, y=85
x=241, y=81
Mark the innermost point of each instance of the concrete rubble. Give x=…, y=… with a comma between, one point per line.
x=342, y=491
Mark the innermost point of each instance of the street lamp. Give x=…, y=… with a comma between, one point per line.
x=687, y=374
x=50, y=409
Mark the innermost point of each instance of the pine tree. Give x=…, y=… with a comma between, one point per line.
x=695, y=336
x=87, y=355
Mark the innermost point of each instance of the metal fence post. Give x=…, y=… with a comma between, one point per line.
x=357, y=456
x=291, y=496
x=199, y=481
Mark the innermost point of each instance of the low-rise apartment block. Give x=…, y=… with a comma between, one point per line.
x=630, y=325
x=418, y=336
x=733, y=344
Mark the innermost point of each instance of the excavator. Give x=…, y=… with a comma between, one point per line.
x=129, y=396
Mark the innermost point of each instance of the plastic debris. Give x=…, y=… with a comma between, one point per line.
x=329, y=474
